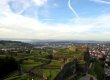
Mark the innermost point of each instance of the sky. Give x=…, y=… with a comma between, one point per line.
x=55, y=19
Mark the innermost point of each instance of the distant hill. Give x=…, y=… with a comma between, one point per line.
x=4, y=43
x=65, y=42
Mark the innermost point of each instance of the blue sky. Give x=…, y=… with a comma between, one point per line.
x=55, y=19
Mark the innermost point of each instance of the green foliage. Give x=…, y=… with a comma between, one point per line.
x=97, y=70
x=14, y=43
x=79, y=54
x=7, y=65
x=50, y=73
x=27, y=66
x=55, y=64
x=82, y=62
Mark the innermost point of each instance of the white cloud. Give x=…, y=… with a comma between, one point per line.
x=23, y=27
x=40, y=2
x=14, y=25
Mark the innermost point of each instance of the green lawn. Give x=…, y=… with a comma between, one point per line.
x=50, y=73
x=56, y=63
x=28, y=66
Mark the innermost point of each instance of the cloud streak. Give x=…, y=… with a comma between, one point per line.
x=101, y=1
x=72, y=9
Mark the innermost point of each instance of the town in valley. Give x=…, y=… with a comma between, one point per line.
x=54, y=60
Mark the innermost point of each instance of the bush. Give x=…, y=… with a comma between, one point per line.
x=7, y=65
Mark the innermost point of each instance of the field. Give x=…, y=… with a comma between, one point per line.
x=43, y=63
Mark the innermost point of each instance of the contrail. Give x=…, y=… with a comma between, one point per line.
x=101, y=1
x=72, y=9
